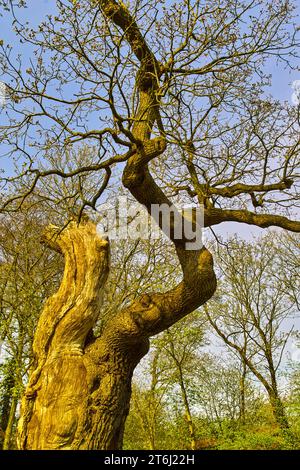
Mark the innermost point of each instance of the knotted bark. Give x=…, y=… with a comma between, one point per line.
x=79, y=388
x=54, y=404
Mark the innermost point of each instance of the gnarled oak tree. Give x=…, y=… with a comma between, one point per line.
x=174, y=91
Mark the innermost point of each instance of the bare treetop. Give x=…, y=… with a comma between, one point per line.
x=107, y=76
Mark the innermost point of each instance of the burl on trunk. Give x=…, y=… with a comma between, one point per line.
x=79, y=389
x=78, y=393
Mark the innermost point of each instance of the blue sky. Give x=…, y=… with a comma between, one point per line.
x=38, y=10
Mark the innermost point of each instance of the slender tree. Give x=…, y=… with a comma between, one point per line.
x=180, y=347
x=250, y=312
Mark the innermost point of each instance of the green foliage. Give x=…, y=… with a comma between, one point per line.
x=265, y=439
x=231, y=435
x=7, y=383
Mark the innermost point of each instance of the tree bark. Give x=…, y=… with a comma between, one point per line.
x=78, y=394
x=278, y=410
x=79, y=389
x=243, y=393
x=55, y=401
x=188, y=414
x=10, y=423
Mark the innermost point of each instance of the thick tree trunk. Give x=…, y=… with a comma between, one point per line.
x=82, y=403
x=78, y=394
x=79, y=388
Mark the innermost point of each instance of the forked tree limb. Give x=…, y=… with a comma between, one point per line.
x=154, y=312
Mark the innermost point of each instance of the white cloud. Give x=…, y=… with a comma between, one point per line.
x=296, y=92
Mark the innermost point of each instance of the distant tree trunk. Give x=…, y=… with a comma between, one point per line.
x=152, y=441
x=279, y=413
x=11, y=398
x=6, y=402
x=275, y=400
x=10, y=422
x=188, y=413
x=184, y=395
x=242, y=393
x=152, y=403
x=278, y=410
x=146, y=422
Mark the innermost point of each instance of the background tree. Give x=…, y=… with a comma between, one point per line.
x=288, y=245
x=293, y=375
x=28, y=274
x=148, y=412
x=180, y=347
x=217, y=391
x=167, y=399
x=252, y=324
